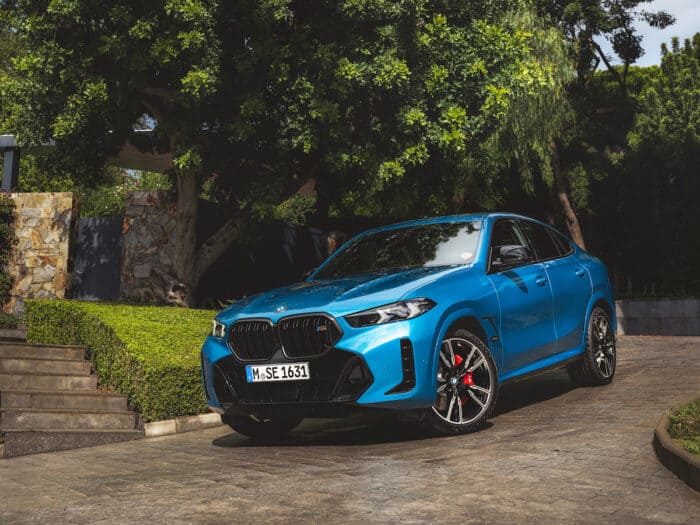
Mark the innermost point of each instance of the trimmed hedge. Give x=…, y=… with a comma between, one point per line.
x=149, y=353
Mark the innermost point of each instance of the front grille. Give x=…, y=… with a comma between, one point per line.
x=308, y=335
x=337, y=376
x=253, y=339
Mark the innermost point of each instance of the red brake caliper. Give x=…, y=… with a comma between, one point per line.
x=467, y=379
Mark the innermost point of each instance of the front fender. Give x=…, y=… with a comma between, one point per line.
x=486, y=318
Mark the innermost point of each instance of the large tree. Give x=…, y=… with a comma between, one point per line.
x=585, y=24
x=384, y=104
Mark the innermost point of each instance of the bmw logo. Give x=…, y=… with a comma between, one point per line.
x=280, y=309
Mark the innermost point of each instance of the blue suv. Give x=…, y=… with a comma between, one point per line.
x=430, y=316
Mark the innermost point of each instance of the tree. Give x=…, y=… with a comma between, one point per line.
x=583, y=23
x=383, y=104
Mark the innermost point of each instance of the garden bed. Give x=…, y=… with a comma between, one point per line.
x=149, y=353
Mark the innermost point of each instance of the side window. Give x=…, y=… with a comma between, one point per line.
x=541, y=241
x=509, y=247
x=563, y=244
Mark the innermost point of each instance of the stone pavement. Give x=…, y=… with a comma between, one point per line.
x=553, y=453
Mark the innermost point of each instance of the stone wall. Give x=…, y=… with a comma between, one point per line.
x=148, y=246
x=658, y=316
x=43, y=259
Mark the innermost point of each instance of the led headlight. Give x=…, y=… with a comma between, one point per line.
x=217, y=329
x=390, y=312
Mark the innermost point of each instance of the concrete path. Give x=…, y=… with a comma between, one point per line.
x=553, y=453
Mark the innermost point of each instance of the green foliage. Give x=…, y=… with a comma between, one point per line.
x=639, y=164
x=7, y=321
x=7, y=242
x=149, y=353
x=108, y=198
x=685, y=426
x=253, y=98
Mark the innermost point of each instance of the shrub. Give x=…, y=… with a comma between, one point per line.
x=149, y=353
x=7, y=241
x=7, y=321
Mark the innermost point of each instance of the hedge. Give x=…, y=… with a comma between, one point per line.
x=149, y=353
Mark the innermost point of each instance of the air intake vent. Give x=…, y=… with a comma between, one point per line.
x=252, y=339
x=308, y=335
x=408, y=367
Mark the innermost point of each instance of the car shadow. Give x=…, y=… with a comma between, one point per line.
x=374, y=428
x=537, y=389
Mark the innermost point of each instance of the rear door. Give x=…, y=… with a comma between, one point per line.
x=525, y=299
x=570, y=282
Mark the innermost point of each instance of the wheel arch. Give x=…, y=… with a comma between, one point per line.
x=470, y=323
x=607, y=303
x=469, y=319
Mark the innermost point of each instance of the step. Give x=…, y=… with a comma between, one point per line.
x=19, y=442
x=59, y=419
x=14, y=334
x=19, y=381
x=10, y=365
x=25, y=350
x=65, y=399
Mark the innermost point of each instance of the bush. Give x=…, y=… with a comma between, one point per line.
x=7, y=241
x=7, y=321
x=149, y=353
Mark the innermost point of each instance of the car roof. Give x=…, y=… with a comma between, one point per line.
x=444, y=219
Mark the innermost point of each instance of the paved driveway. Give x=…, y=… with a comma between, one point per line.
x=552, y=454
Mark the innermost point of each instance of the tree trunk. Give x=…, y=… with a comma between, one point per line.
x=563, y=198
x=183, y=291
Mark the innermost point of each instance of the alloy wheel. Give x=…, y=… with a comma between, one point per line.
x=465, y=382
x=603, y=341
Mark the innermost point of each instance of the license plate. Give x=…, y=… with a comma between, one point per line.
x=278, y=372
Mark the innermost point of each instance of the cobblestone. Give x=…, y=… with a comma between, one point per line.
x=552, y=453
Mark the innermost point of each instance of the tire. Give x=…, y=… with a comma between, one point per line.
x=467, y=385
x=597, y=367
x=261, y=428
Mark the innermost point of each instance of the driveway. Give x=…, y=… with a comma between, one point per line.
x=553, y=453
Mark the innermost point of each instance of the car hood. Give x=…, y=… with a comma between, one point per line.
x=336, y=296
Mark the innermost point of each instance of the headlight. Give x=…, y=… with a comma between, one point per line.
x=390, y=312
x=217, y=329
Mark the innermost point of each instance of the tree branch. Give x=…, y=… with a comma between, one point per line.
x=607, y=63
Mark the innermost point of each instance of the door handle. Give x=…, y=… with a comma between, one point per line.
x=540, y=281
x=579, y=272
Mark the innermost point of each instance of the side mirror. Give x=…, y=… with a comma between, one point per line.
x=510, y=255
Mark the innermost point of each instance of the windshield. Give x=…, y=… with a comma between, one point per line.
x=437, y=244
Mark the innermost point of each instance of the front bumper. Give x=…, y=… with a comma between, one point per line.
x=384, y=366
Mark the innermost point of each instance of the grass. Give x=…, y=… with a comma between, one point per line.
x=684, y=427
x=150, y=353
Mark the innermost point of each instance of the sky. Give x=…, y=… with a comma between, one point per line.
x=687, y=13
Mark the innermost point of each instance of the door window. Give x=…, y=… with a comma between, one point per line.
x=541, y=241
x=507, y=237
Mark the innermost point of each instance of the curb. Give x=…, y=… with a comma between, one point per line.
x=683, y=464
x=182, y=424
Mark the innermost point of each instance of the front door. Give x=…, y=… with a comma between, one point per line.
x=525, y=300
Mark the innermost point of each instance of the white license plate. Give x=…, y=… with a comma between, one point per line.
x=277, y=372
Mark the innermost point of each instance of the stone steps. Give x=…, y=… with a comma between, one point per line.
x=59, y=418
x=49, y=401
x=29, y=381
x=20, y=442
x=45, y=366
x=16, y=350
x=67, y=399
